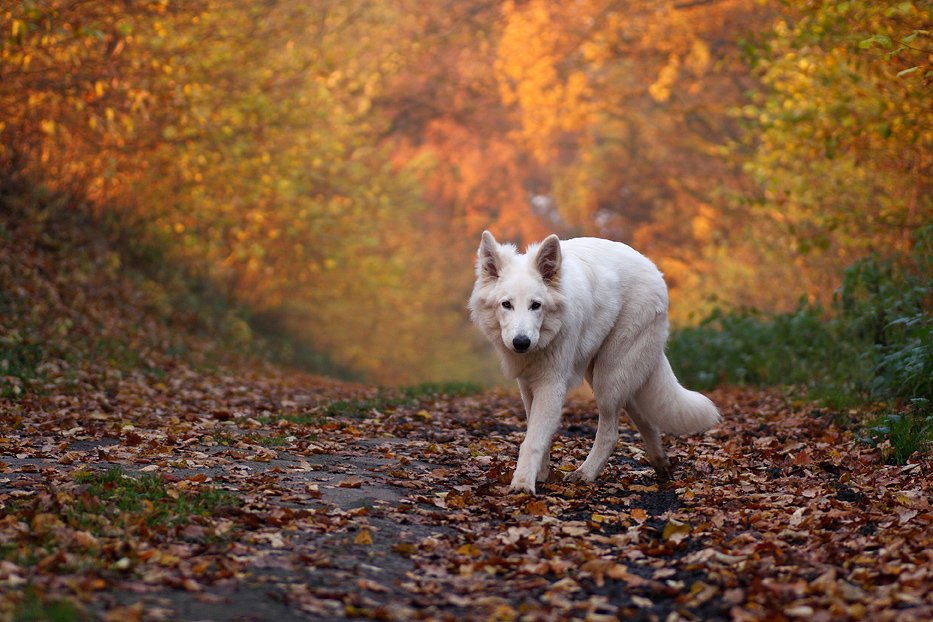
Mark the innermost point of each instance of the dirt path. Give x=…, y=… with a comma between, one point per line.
x=345, y=501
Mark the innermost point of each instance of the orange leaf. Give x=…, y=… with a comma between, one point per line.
x=537, y=508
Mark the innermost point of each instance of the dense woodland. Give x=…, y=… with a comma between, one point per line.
x=329, y=166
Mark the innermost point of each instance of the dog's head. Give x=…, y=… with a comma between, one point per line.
x=517, y=297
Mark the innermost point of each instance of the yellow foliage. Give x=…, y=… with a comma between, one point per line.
x=661, y=89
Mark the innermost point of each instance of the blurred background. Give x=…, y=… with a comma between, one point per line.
x=325, y=168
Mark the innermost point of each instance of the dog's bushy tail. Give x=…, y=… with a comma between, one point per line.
x=672, y=408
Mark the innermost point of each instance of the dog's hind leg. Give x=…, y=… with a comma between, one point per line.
x=607, y=435
x=652, y=438
x=607, y=429
x=619, y=370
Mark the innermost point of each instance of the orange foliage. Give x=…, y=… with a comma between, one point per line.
x=331, y=163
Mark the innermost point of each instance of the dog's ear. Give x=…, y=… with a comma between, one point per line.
x=490, y=262
x=548, y=260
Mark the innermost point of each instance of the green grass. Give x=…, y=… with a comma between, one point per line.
x=265, y=440
x=117, y=500
x=19, y=365
x=32, y=607
x=106, y=507
x=434, y=390
x=388, y=399
x=906, y=432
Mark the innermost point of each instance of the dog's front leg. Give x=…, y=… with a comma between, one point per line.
x=527, y=400
x=545, y=404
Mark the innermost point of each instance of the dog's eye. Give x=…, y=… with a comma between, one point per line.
x=506, y=305
x=535, y=305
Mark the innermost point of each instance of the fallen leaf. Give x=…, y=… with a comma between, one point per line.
x=133, y=613
x=676, y=531
x=372, y=586
x=904, y=515
x=537, y=508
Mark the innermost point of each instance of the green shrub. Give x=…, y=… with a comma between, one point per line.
x=885, y=306
x=874, y=345
x=875, y=342
x=747, y=347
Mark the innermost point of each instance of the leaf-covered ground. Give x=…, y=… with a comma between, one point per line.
x=256, y=494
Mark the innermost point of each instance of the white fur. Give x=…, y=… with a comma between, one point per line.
x=583, y=309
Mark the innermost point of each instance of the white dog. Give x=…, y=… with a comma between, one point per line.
x=583, y=308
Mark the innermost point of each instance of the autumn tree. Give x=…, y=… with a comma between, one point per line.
x=86, y=90
x=626, y=106
x=244, y=137
x=842, y=132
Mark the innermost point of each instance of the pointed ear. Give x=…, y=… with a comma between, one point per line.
x=490, y=262
x=548, y=260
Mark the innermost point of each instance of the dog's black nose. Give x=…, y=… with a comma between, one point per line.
x=521, y=343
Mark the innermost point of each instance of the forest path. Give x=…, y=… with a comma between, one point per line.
x=351, y=501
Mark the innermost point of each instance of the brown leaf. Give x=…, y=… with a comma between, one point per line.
x=193, y=532
x=803, y=458
x=675, y=531
x=133, y=613
x=598, y=568
x=405, y=549
x=372, y=586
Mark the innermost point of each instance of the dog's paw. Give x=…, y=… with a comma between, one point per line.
x=522, y=484
x=580, y=475
x=664, y=470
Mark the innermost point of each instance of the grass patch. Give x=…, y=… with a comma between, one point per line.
x=900, y=435
x=33, y=607
x=115, y=499
x=268, y=440
x=434, y=390
x=359, y=409
x=389, y=399
x=19, y=365
x=265, y=440
x=80, y=525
